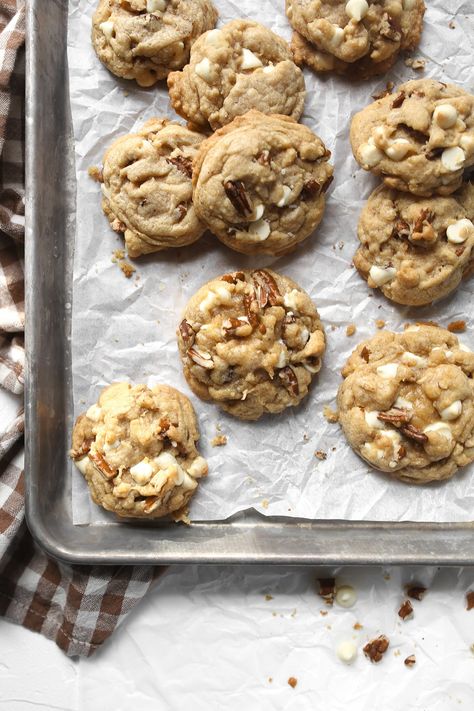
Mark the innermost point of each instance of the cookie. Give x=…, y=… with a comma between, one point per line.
x=416, y=250
x=240, y=66
x=137, y=451
x=147, y=187
x=407, y=403
x=259, y=183
x=147, y=39
x=419, y=139
x=251, y=342
x=360, y=37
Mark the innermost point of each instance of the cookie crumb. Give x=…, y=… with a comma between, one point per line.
x=418, y=65
x=95, y=173
x=457, y=326
x=306, y=437
x=118, y=254
x=410, y=661
x=416, y=592
x=265, y=503
x=327, y=589
x=387, y=576
x=470, y=600
x=334, y=327
x=351, y=329
x=270, y=679
x=323, y=613
x=268, y=597
x=406, y=610
x=376, y=648
x=357, y=626
x=380, y=323
x=330, y=414
x=320, y=454
x=292, y=682
x=451, y=25
x=127, y=269
x=219, y=441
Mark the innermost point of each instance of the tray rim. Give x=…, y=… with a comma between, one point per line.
x=245, y=538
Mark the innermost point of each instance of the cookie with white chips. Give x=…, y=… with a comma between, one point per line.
x=407, y=403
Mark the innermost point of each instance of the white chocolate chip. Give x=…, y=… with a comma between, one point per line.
x=398, y=149
x=467, y=143
x=389, y=370
x=393, y=435
x=249, y=60
x=81, y=464
x=452, y=412
x=198, y=468
x=382, y=275
x=111, y=447
x=346, y=596
x=107, y=28
x=370, y=155
x=283, y=357
x=259, y=230
x=453, y=158
x=94, y=413
x=372, y=419
x=445, y=116
x=347, y=652
x=337, y=37
x=204, y=70
x=409, y=4
x=269, y=69
x=155, y=5
x=221, y=295
x=440, y=427
x=403, y=404
x=214, y=37
x=257, y=213
x=357, y=9
x=142, y=472
x=291, y=299
x=286, y=199
x=460, y=231
x=413, y=360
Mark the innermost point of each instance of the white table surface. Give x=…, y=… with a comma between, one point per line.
x=207, y=639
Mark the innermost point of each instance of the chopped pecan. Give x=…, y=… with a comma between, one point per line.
x=185, y=165
x=376, y=648
x=235, y=191
x=165, y=424
x=327, y=183
x=470, y=600
x=231, y=326
x=410, y=661
x=292, y=681
x=289, y=380
x=422, y=228
x=385, y=92
x=405, y=610
x=396, y=416
x=262, y=328
x=311, y=188
x=102, y=465
x=390, y=28
x=457, y=326
x=416, y=592
x=398, y=100
x=401, y=452
x=266, y=288
x=460, y=251
x=412, y=433
x=182, y=211
x=201, y=358
x=327, y=589
x=264, y=158
x=149, y=503
x=365, y=354
x=401, y=229
x=187, y=333
x=251, y=310
x=233, y=278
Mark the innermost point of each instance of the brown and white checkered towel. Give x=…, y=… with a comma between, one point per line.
x=77, y=607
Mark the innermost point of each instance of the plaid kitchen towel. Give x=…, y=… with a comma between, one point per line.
x=78, y=607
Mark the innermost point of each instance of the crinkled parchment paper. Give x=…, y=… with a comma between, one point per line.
x=125, y=329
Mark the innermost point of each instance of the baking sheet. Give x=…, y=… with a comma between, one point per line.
x=125, y=329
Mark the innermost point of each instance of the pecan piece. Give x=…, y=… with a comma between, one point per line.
x=457, y=326
x=102, y=465
x=232, y=326
x=396, y=416
x=412, y=433
x=398, y=100
x=165, y=424
x=251, y=310
x=289, y=380
x=182, y=211
x=183, y=164
x=235, y=191
x=390, y=28
x=327, y=183
x=401, y=229
x=264, y=158
x=149, y=503
x=406, y=609
x=266, y=287
x=385, y=92
x=410, y=661
x=422, y=228
x=233, y=278
x=327, y=589
x=416, y=592
x=311, y=188
x=376, y=648
x=187, y=333
x=201, y=358
x=470, y=600
x=365, y=354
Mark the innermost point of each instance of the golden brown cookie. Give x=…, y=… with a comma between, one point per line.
x=407, y=403
x=147, y=39
x=241, y=66
x=137, y=451
x=260, y=182
x=251, y=342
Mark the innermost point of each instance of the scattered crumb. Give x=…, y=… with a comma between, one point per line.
x=416, y=592
x=117, y=255
x=396, y=653
x=333, y=449
x=329, y=627
x=357, y=626
x=340, y=245
x=293, y=613
x=470, y=600
x=95, y=173
x=380, y=323
x=126, y=93
x=265, y=503
x=327, y=589
x=365, y=354
x=451, y=25
x=292, y=682
x=274, y=614
x=270, y=679
x=330, y=414
x=472, y=648
x=320, y=454
x=386, y=576
x=325, y=612
x=351, y=329
x=406, y=610
x=334, y=327
x=376, y=648
x=410, y=661
x=306, y=437
x=417, y=64
x=127, y=269
x=268, y=597
x=457, y=326
x=388, y=90
x=219, y=441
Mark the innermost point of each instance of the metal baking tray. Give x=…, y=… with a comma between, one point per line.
x=247, y=538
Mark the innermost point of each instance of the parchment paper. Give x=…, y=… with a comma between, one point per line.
x=125, y=329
